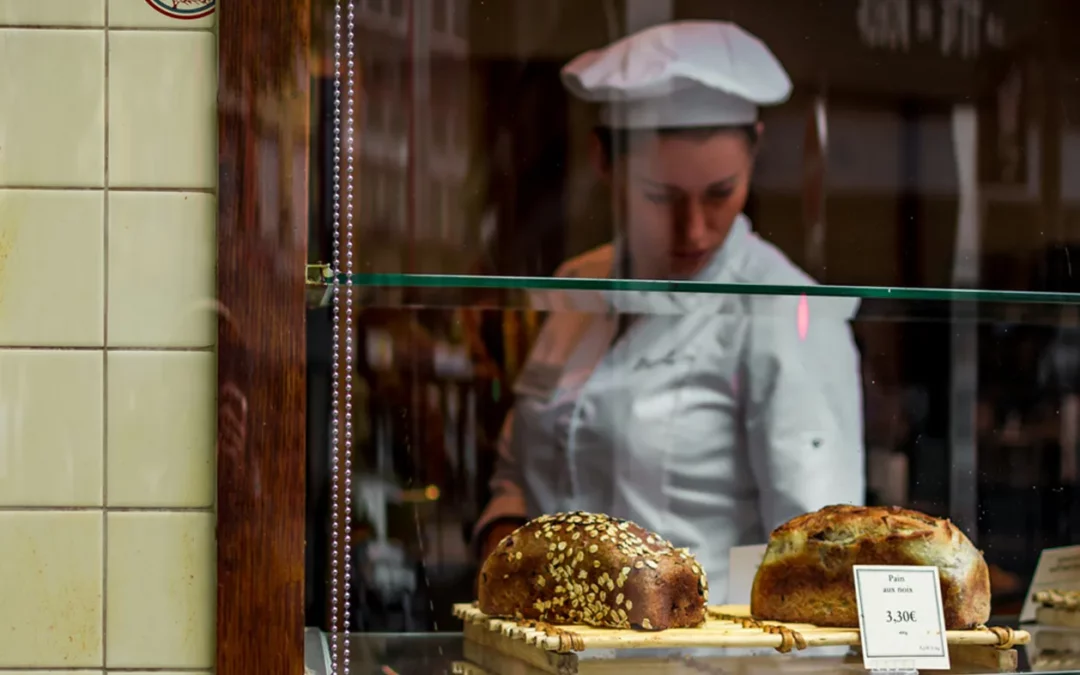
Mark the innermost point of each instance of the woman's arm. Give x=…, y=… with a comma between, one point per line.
x=804, y=406
x=506, y=509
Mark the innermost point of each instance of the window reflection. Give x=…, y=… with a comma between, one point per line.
x=474, y=159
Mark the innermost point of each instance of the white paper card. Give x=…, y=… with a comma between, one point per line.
x=1058, y=570
x=901, y=621
x=743, y=563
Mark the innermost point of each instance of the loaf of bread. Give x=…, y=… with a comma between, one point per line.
x=806, y=575
x=584, y=568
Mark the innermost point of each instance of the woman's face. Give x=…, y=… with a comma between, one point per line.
x=679, y=195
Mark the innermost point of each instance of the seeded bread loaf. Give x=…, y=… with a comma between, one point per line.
x=583, y=568
x=806, y=575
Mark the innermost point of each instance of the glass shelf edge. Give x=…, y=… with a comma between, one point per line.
x=450, y=282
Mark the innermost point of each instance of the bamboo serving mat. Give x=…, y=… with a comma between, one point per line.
x=728, y=626
x=776, y=665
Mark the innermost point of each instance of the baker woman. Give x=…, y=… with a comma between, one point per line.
x=710, y=419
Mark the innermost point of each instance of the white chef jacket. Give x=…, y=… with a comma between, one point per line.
x=712, y=420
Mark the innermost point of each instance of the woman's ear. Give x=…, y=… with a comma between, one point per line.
x=599, y=160
x=759, y=129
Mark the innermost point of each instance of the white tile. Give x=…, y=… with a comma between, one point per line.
x=152, y=672
x=51, y=589
x=162, y=417
x=160, y=590
x=162, y=253
x=55, y=672
x=163, y=109
x=52, y=268
x=143, y=14
x=52, y=12
x=51, y=414
x=52, y=108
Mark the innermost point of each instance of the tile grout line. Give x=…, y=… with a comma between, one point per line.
x=95, y=348
x=101, y=188
x=44, y=670
x=47, y=670
x=124, y=29
x=105, y=382
x=110, y=509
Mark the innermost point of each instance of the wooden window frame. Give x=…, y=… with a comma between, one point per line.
x=264, y=69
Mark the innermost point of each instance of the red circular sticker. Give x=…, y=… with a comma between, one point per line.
x=184, y=9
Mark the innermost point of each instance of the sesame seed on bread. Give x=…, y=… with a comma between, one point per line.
x=585, y=568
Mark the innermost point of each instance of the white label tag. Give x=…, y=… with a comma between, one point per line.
x=1058, y=570
x=901, y=621
x=743, y=563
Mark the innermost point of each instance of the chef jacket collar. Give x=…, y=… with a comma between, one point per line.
x=719, y=270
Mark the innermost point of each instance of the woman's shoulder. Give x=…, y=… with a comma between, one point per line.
x=763, y=263
x=594, y=264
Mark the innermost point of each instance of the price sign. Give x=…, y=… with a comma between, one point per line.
x=1059, y=570
x=901, y=621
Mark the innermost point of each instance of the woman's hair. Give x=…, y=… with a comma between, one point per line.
x=613, y=142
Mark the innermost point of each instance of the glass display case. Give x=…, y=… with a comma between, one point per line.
x=306, y=306
x=873, y=306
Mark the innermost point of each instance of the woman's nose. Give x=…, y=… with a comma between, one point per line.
x=691, y=223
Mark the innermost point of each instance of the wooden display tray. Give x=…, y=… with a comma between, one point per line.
x=505, y=646
x=727, y=626
x=1058, y=608
x=1054, y=648
x=777, y=665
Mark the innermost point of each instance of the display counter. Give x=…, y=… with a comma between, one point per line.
x=447, y=652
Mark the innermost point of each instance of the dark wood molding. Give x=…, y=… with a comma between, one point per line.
x=263, y=105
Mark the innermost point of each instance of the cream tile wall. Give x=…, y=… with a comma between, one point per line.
x=108, y=168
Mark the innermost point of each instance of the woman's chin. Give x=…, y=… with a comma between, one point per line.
x=686, y=268
x=672, y=269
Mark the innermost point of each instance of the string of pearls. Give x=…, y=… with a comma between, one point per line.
x=350, y=127
x=341, y=557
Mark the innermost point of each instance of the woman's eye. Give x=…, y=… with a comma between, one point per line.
x=720, y=195
x=658, y=197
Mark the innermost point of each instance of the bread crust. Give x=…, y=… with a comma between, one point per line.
x=585, y=568
x=806, y=575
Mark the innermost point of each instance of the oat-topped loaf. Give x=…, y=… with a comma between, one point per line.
x=806, y=576
x=584, y=568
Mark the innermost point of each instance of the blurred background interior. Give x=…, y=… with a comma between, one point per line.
x=469, y=160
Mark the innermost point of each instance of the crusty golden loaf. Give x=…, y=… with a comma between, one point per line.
x=584, y=568
x=806, y=575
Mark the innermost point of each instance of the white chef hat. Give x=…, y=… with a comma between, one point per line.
x=680, y=74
